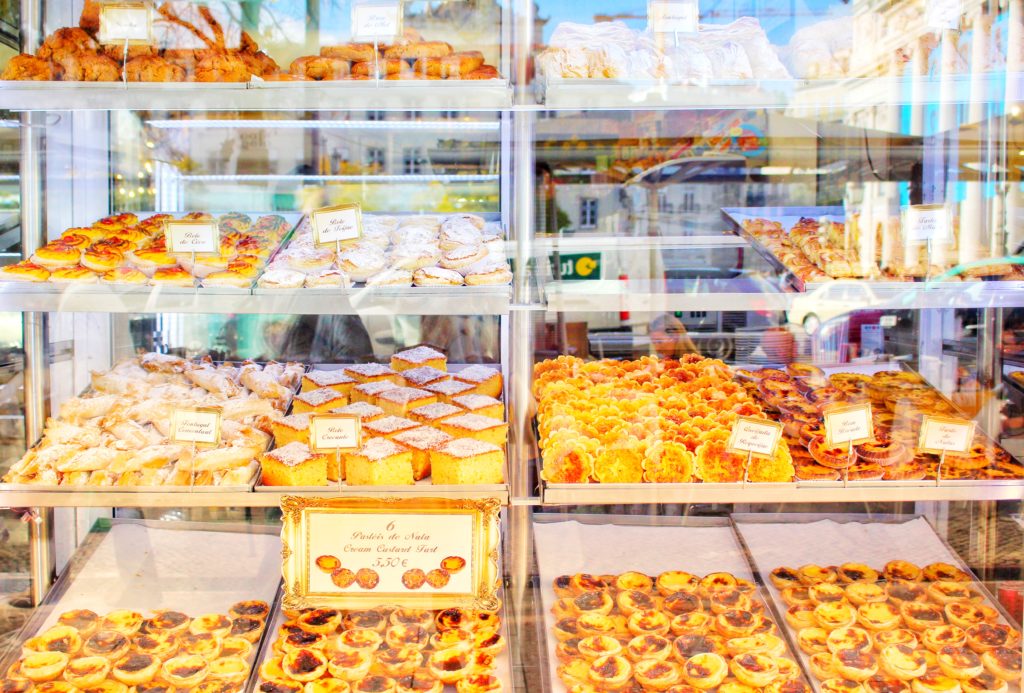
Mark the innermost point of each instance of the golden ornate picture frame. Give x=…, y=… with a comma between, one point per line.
x=298, y=546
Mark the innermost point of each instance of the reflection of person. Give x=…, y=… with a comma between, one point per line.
x=463, y=339
x=318, y=339
x=669, y=338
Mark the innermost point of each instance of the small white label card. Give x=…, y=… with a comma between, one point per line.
x=943, y=14
x=333, y=225
x=420, y=553
x=193, y=237
x=126, y=21
x=848, y=425
x=941, y=434
x=200, y=425
x=673, y=16
x=376, y=20
x=335, y=432
x=923, y=223
x=754, y=436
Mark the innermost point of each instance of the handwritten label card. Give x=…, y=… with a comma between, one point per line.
x=940, y=434
x=943, y=14
x=193, y=237
x=673, y=16
x=755, y=436
x=335, y=432
x=200, y=426
x=121, y=22
x=333, y=225
x=849, y=425
x=376, y=21
x=923, y=223
x=420, y=553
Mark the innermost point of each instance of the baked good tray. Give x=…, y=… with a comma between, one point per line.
x=611, y=544
x=831, y=539
x=147, y=565
x=789, y=216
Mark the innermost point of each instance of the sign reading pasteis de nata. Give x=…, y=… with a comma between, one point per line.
x=424, y=553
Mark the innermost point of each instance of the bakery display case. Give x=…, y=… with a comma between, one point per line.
x=717, y=301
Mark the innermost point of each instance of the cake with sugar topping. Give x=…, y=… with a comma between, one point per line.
x=446, y=390
x=432, y=413
x=482, y=428
x=318, y=401
x=291, y=429
x=417, y=357
x=336, y=380
x=421, y=441
x=484, y=379
x=400, y=400
x=380, y=462
x=467, y=461
x=482, y=405
x=367, y=392
x=388, y=426
x=424, y=375
x=364, y=410
x=371, y=372
x=294, y=465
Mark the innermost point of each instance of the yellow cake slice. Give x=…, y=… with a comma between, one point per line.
x=380, y=462
x=401, y=400
x=421, y=441
x=417, y=357
x=423, y=376
x=367, y=392
x=294, y=465
x=446, y=390
x=371, y=372
x=467, y=461
x=364, y=410
x=432, y=413
x=387, y=426
x=291, y=429
x=482, y=405
x=336, y=380
x=485, y=380
x=318, y=401
x=482, y=428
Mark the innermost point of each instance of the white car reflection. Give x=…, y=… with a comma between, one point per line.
x=830, y=301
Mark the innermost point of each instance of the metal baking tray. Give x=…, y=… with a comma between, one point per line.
x=145, y=565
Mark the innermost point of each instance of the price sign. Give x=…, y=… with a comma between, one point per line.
x=754, y=436
x=334, y=225
x=923, y=223
x=200, y=426
x=376, y=21
x=126, y=22
x=849, y=425
x=940, y=434
x=673, y=16
x=193, y=237
x=335, y=432
x=943, y=14
x=419, y=553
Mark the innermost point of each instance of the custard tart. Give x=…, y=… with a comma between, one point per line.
x=413, y=636
x=841, y=685
x=1003, y=662
x=651, y=622
x=107, y=643
x=648, y=647
x=673, y=581
x=350, y=665
x=856, y=665
x=706, y=670
x=632, y=580
x=657, y=674
x=629, y=601
x=935, y=682
x=967, y=614
x=123, y=621
x=856, y=572
x=832, y=615
x=450, y=665
x=478, y=683
x=693, y=622
x=880, y=683
x=420, y=681
x=849, y=638
x=217, y=625
x=878, y=616
x=823, y=592
x=135, y=668
x=397, y=662
x=304, y=665
x=84, y=621
x=901, y=570
x=86, y=672
x=949, y=591
x=812, y=640
x=897, y=636
x=938, y=637
x=919, y=616
x=935, y=572
x=801, y=616
x=902, y=662
x=783, y=577
x=185, y=671
x=959, y=662
x=985, y=683
x=988, y=636
x=860, y=593
x=754, y=669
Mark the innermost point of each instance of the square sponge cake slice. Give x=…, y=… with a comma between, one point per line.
x=482, y=428
x=418, y=357
x=380, y=462
x=467, y=461
x=294, y=465
x=485, y=380
x=421, y=441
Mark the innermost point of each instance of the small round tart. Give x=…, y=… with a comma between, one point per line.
x=984, y=683
x=205, y=645
x=61, y=639
x=832, y=615
x=737, y=623
x=162, y=645
x=412, y=617
x=943, y=636
x=218, y=625
x=629, y=601
x=820, y=664
x=919, y=616
x=796, y=595
x=840, y=685
x=565, y=628
x=107, y=643
x=781, y=685
x=567, y=649
x=783, y=577
x=901, y=570
x=326, y=686
x=478, y=683
x=1003, y=662
x=934, y=572
x=271, y=669
x=754, y=669
x=280, y=686
x=135, y=668
x=648, y=647
x=452, y=664
x=584, y=582
x=900, y=591
x=686, y=646
x=705, y=670
x=595, y=624
x=420, y=681
x=877, y=616
x=229, y=669
x=299, y=640
x=966, y=614
x=988, y=636
x=370, y=618
x=359, y=639
x=856, y=572
x=253, y=608
x=401, y=636
x=725, y=600
x=717, y=582
x=860, y=593
x=65, y=687
x=679, y=603
x=235, y=647
x=902, y=662
x=391, y=662
x=374, y=684
x=595, y=646
x=879, y=683
x=562, y=586
x=123, y=621
x=949, y=591
x=935, y=682
x=849, y=638
x=167, y=622
x=823, y=592
x=694, y=622
x=788, y=669
x=673, y=581
x=86, y=672
x=856, y=665
x=246, y=628
x=84, y=621
x=648, y=622
x=633, y=580
x=322, y=621
x=959, y=662
x=449, y=619
x=897, y=636
x=657, y=674
x=812, y=574
x=304, y=665
x=350, y=665
x=184, y=671
x=812, y=640
x=801, y=616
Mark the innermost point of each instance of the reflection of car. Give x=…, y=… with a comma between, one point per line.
x=829, y=301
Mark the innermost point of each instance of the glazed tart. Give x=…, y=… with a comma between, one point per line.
x=902, y=662
x=959, y=662
x=985, y=683
x=705, y=671
x=754, y=669
x=304, y=665
x=856, y=665
x=350, y=665
x=657, y=675
x=848, y=638
x=860, y=593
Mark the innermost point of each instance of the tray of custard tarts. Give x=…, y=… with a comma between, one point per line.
x=634, y=603
x=426, y=425
x=148, y=607
x=882, y=605
x=385, y=650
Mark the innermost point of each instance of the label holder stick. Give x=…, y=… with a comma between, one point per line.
x=376, y=61
x=124, y=65
x=938, y=471
x=746, y=468
x=192, y=470
x=849, y=459
x=341, y=477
